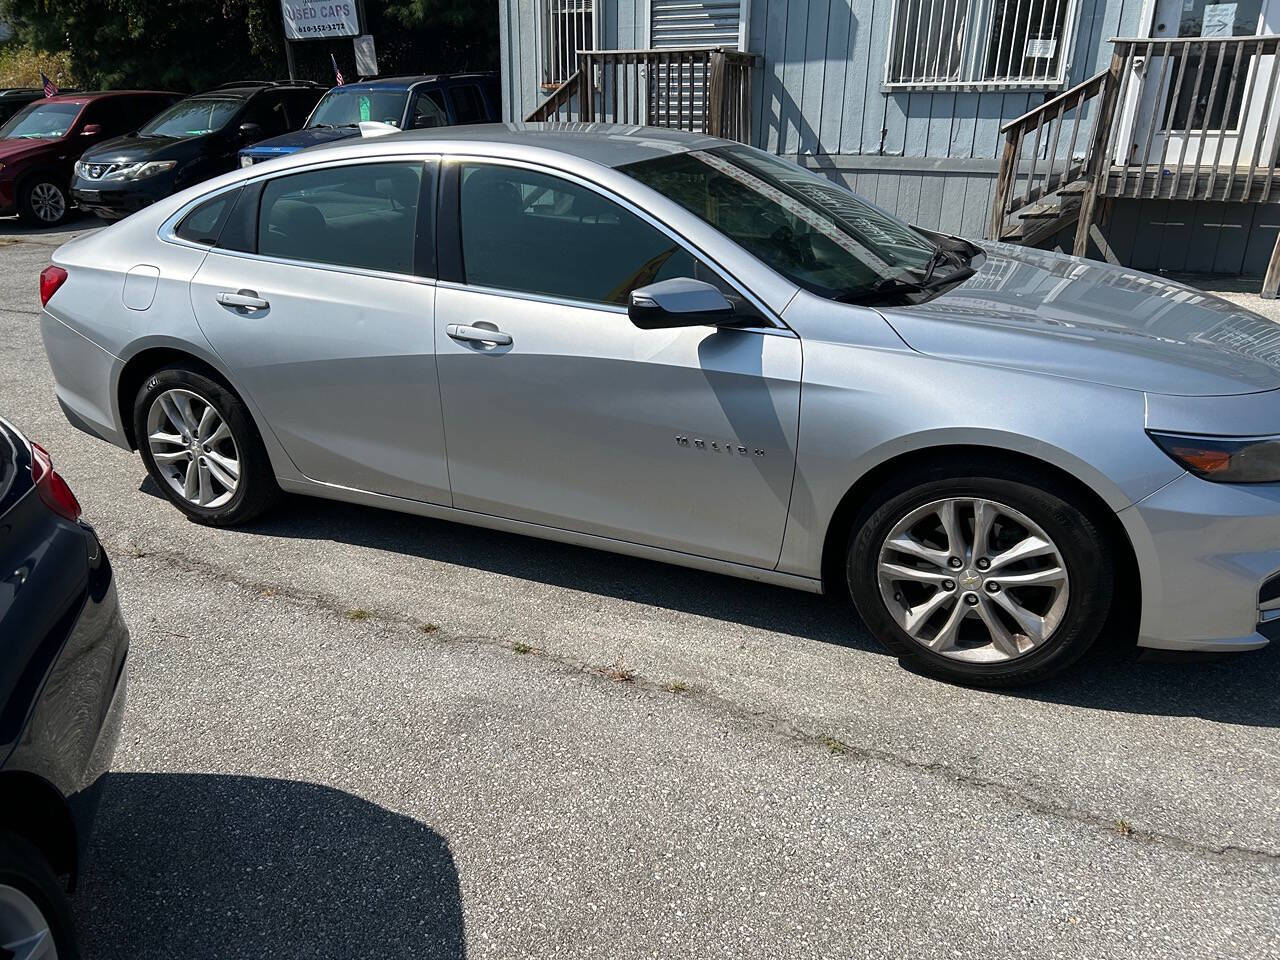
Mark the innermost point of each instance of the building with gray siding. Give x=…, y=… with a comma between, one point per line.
x=1169, y=136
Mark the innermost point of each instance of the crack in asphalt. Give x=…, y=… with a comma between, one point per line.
x=762, y=720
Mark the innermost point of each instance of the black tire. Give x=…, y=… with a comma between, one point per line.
x=256, y=490
x=23, y=868
x=1070, y=523
x=30, y=195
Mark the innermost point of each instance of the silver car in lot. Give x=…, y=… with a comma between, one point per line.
x=685, y=349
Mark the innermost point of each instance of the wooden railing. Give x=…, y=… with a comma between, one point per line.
x=1068, y=137
x=1201, y=119
x=699, y=90
x=1189, y=118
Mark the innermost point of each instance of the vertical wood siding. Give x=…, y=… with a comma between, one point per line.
x=818, y=98
x=824, y=66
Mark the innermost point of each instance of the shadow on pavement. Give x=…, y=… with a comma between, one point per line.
x=1241, y=688
x=76, y=222
x=713, y=595
x=220, y=867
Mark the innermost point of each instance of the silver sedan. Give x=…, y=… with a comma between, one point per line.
x=685, y=349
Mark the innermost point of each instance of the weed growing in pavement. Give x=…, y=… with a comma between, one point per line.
x=428, y=628
x=358, y=614
x=837, y=747
x=521, y=647
x=677, y=686
x=619, y=673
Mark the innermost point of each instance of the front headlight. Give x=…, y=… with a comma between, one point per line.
x=137, y=171
x=1224, y=459
x=80, y=170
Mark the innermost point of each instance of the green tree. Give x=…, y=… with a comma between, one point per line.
x=189, y=45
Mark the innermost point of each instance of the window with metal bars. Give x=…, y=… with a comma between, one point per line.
x=979, y=43
x=568, y=27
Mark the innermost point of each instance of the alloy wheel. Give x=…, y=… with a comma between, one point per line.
x=48, y=202
x=24, y=931
x=193, y=448
x=974, y=580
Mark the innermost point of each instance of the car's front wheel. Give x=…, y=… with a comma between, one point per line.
x=995, y=577
x=43, y=203
x=35, y=915
x=201, y=448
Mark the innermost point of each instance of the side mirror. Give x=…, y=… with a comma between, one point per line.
x=679, y=302
x=91, y=130
x=250, y=130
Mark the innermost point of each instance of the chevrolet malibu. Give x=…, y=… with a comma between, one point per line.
x=685, y=349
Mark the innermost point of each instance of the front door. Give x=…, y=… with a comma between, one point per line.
x=559, y=411
x=329, y=328
x=1205, y=103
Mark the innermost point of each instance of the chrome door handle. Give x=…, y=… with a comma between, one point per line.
x=463, y=331
x=246, y=299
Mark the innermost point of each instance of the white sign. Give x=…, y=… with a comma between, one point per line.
x=1041, y=49
x=316, y=19
x=366, y=56
x=1219, y=20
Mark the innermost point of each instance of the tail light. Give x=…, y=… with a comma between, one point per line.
x=51, y=278
x=52, y=489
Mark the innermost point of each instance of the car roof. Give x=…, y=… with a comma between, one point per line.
x=243, y=90
x=83, y=98
x=405, y=82
x=607, y=144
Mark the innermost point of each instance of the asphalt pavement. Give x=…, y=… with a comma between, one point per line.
x=353, y=733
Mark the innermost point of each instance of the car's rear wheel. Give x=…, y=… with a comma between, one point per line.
x=35, y=915
x=995, y=577
x=43, y=203
x=202, y=449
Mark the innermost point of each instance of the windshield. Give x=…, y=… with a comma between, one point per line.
x=41, y=121
x=344, y=108
x=192, y=118
x=813, y=232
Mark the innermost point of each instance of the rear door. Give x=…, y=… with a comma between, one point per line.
x=336, y=346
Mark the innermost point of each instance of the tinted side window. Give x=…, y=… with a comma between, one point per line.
x=300, y=104
x=467, y=105
x=204, y=223
x=364, y=215
x=267, y=111
x=534, y=233
x=428, y=110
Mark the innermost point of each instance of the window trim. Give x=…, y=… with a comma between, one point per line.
x=167, y=234
x=1071, y=25
x=450, y=266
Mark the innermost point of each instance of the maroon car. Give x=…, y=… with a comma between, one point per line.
x=41, y=143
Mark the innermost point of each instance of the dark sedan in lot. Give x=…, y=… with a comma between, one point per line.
x=191, y=141
x=39, y=145
x=62, y=689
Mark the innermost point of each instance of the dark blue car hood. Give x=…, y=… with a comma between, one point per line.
x=299, y=140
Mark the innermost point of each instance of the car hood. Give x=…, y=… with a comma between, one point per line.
x=133, y=149
x=17, y=149
x=1045, y=312
x=299, y=140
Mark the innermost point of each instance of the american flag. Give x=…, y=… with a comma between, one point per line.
x=336, y=72
x=51, y=88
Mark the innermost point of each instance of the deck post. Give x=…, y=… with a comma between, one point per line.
x=1099, y=160
x=1271, y=282
x=1004, y=183
x=717, y=109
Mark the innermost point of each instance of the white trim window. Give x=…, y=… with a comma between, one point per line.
x=980, y=43
x=568, y=27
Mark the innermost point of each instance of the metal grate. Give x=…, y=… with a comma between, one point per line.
x=964, y=43
x=568, y=29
